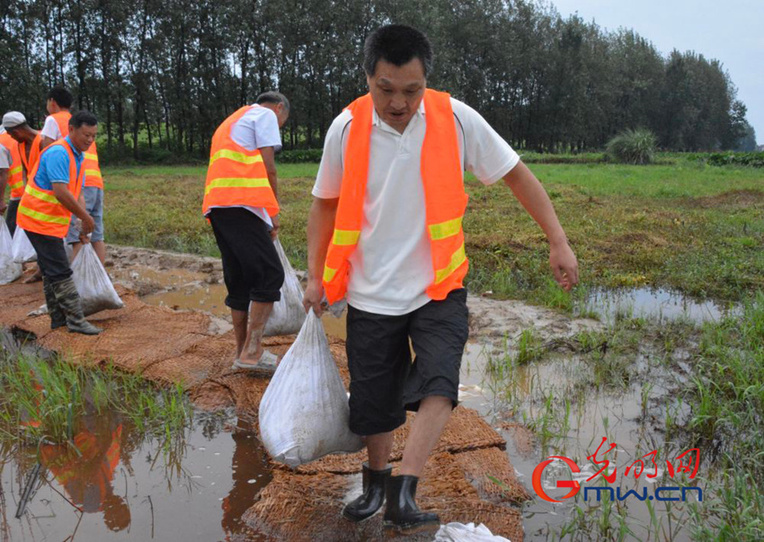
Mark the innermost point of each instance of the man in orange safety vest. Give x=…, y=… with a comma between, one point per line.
x=241, y=204
x=385, y=232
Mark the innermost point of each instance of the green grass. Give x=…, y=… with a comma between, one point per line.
x=687, y=226
x=47, y=399
x=715, y=403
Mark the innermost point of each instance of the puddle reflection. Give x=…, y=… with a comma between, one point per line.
x=113, y=483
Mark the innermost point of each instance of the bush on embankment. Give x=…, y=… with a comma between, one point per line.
x=632, y=147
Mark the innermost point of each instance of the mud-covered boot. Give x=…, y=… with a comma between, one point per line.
x=402, y=514
x=57, y=317
x=71, y=305
x=373, y=496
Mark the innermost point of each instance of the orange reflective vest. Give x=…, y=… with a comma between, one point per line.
x=39, y=210
x=92, y=169
x=445, y=198
x=236, y=176
x=34, y=155
x=16, y=171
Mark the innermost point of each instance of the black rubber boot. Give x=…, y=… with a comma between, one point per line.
x=57, y=317
x=373, y=496
x=402, y=514
x=71, y=305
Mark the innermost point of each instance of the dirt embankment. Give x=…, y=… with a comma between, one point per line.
x=195, y=347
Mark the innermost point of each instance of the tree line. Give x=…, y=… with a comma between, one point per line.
x=162, y=74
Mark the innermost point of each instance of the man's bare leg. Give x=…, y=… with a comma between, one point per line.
x=379, y=446
x=252, y=349
x=433, y=414
x=100, y=250
x=239, y=319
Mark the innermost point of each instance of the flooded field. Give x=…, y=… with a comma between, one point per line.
x=551, y=385
x=126, y=486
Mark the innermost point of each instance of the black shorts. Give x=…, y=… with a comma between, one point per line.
x=251, y=267
x=384, y=382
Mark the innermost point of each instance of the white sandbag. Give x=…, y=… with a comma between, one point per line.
x=93, y=283
x=459, y=532
x=304, y=412
x=288, y=313
x=23, y=251
x=10, y=270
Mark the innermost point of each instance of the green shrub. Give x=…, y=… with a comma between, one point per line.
x=632, y=147
x=752, y=159
x=299, y=156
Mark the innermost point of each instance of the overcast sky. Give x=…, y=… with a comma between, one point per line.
x=731, y=31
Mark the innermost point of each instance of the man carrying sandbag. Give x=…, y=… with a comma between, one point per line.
x=53, y=193
x=57, y=126
x=241, y=203
x=385, y=231
x=11, y=175
x=29, y=143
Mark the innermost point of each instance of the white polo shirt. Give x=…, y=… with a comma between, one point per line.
x=50, y=129
x=257, y=128
x=392, y=266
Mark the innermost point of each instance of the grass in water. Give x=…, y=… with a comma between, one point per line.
x=47, y=399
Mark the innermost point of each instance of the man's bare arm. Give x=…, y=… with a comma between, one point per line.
x=269, y=161
x=534, y=199
x=320, y=229
x=45, y=141
x=3, y=184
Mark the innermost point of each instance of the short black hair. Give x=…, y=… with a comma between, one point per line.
x=397, y=44
x=273, y=97
x=61, y=96
x=83, y=117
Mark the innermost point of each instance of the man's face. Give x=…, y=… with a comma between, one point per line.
x=397, y=91
x=82, y=137
x=50, y=106
x=282, y=113
x=17, y=134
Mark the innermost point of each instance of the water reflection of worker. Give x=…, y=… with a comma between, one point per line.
x=87, y=478
x=248, y=463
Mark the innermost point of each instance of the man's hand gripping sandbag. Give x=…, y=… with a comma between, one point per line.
x=93, y=283
x=304, y=412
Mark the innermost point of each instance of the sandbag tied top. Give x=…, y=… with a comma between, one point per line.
x=93, y=283
x=10, y=270
x=288, y=313
x=23, y=251
x=304, y=412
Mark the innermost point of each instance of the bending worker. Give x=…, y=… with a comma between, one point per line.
x=57, y=126
x=53, y=193
x=29, y=141
x=385, y=231
x=11, y=175
x=241, y=203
